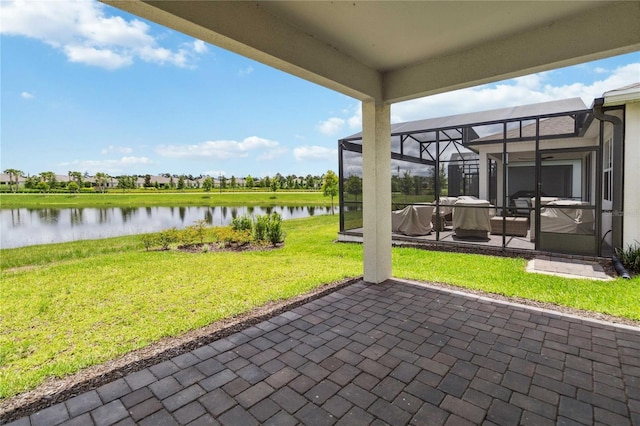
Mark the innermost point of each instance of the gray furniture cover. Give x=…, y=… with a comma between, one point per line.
x=472, y=214
x=412, y=220
x=563, y=217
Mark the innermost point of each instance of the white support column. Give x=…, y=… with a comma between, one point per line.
x=376, y=197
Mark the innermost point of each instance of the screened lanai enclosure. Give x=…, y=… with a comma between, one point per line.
x=489, y=178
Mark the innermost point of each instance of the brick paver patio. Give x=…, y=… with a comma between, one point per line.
x=396, y=353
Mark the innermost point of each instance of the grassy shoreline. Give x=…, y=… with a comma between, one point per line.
x=171, y=199
x=71, y=305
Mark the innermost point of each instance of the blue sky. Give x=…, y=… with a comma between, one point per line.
x=86, y=87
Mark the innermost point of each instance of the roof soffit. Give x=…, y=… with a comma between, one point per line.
x=611, y=29
x=394, y=51
x=390, y=35
x=247, y=29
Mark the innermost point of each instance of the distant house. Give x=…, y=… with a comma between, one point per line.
x=6, y=180
x=572, y=169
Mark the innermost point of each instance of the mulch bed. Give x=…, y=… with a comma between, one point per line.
x=215, y=247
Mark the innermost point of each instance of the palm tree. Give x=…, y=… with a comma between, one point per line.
x=14, y=173
x=101, y=180
x=77, y=177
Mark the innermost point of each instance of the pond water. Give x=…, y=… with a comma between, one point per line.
x=25, y=227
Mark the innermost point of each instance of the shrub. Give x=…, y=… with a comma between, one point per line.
x=242, y=223
x=187, y=235
x=243, y=237
x=260, y=228
x=199, y=230
x=630, y=257
x=168, y=237
x=149, y=240
x=225, y=236
x=275, y=234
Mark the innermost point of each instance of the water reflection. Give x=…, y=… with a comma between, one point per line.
x=24, y=227
x=75, y=216
x=47, y=215
x=128, y=213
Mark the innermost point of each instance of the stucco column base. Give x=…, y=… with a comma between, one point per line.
x=376, y=198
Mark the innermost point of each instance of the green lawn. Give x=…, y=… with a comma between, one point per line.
x=172, y=199
x=507, y=276
x=68, y=306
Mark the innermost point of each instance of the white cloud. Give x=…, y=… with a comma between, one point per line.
x=26, y=95
x=336, y=125
x=124, y=165
x=98, y=57
x=118, y=149
x=314, y=153
x=254, y=142
x=531, y=81
x=85, y=34
x=331, y=126
x=245, y=71
x=355, y=121
x=221, y=150
x=518, y=91
x=199, y=46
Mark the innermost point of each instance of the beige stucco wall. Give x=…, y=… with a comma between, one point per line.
x=631, y=219
x=486, y=150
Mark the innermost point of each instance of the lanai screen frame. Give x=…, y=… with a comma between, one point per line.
x=582, y=119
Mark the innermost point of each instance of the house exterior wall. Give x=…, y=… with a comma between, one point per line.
x=485, y=151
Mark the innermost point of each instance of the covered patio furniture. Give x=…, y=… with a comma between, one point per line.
x=566, y=217
x=445, y=211
x=412, y=220
x=472, y=217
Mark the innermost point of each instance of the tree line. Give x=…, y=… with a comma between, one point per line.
x=76, y=181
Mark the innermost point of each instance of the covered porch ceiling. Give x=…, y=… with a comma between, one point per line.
x=392, y=51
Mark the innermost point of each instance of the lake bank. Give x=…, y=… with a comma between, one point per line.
x=167, y=199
